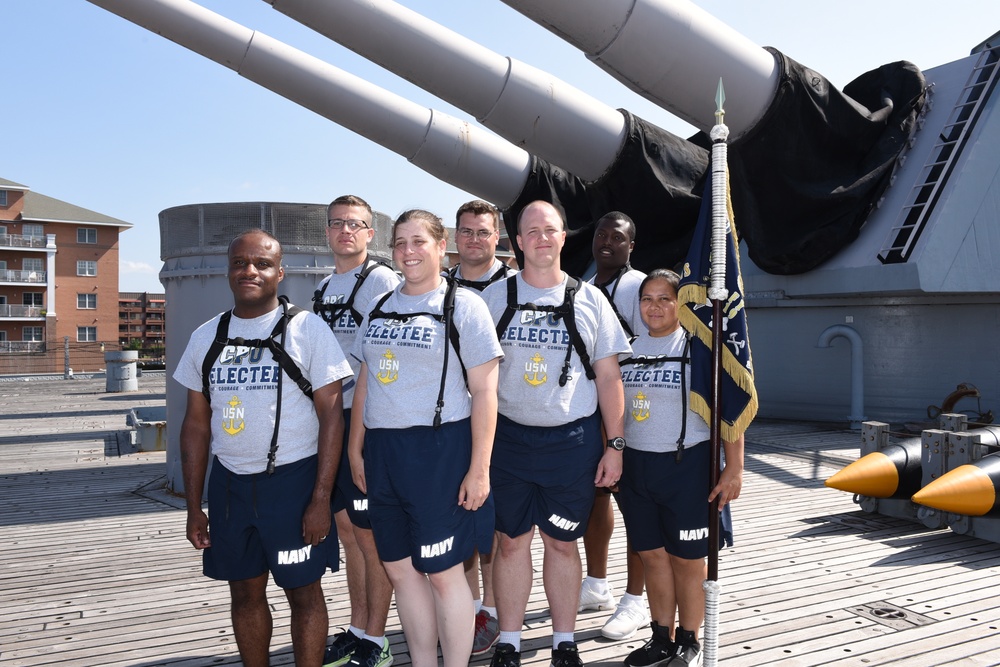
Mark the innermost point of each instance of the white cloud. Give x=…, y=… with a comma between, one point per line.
x=128, y=266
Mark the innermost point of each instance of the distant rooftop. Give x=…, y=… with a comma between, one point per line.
x=42, y=208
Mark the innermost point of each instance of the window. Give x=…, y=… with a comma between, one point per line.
x=86, y=235
x=3, y=336
x=32, y=334
x=32, y=264
x=3, y=264
x=28, y=229
x=3, y=197
x=86, y=334
x=31, y=299
x=86, y=268
x=86, y=301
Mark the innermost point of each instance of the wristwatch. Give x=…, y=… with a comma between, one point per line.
x=617, y=443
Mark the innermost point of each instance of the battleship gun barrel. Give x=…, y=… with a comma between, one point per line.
x=671, y=52
x=436, y=142
x=526, y=106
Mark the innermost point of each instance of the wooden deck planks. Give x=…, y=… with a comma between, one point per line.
x=95, y=571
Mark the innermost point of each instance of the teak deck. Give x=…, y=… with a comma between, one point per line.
x=95, y=569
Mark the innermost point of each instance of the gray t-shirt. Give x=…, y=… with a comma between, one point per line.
x=405, y=357
x=653, y=407
x=625, y=293
x=335, y=288
x=534, y=345
x=244, y=382
x=494, y=269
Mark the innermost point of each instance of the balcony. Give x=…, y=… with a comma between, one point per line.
x=22, y=242
x=21, y=347
x=8, y=312
x=21, y=277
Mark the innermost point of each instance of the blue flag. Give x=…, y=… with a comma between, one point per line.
x=738, y=395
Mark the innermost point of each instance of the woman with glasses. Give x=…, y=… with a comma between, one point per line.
x=422, y=455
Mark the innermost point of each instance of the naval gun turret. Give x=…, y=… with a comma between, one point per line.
x=584, y=156
x=866, y=208
x=807, y=164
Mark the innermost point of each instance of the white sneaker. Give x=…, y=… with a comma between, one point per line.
x=626, y=620
x=593, y=600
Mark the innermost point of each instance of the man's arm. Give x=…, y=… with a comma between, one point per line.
x=329, y=404
x=483, y=381
x=196, y=438
x=611, y=401
x=356, y=438
x=731, y=480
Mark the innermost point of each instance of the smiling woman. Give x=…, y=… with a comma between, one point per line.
x=430, y=457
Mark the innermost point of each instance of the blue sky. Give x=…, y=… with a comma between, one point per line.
x=106, y=115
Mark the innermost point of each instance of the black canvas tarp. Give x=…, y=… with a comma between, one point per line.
x=804, y=179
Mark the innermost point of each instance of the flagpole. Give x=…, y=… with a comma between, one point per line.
x=717, y=294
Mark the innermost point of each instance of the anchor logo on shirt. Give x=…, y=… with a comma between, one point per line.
x=640, y=407
x=533, y=368
x=232, y=417
x=388, y=368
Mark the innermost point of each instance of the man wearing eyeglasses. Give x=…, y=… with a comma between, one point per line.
x=477, y=232
x=355, y=281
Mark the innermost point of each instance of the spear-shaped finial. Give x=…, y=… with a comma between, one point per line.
x=720, y=98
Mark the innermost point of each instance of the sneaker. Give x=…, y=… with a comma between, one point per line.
x=341, y=650
x=504, y=655
x=487, y=633
x=626, y=621
x=566, y=655
x=593, y=600
x=688, y=650
x=659, y=651
x=370, y=654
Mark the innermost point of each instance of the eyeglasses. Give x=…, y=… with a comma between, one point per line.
x=352, y=225
x=481, y=234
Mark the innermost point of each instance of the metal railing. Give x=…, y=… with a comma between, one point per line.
x=21, y=241
x=8, y=310
x=21, y=346
x=13, y=276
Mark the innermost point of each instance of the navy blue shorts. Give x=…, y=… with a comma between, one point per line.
x=544, y=476
x=665, y=503
x=414, y=476
x=255, y=524
x=345, y=494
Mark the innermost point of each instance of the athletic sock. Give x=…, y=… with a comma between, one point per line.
x=599, y=585
x=512, y=638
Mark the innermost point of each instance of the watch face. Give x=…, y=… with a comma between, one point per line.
x=617, y=443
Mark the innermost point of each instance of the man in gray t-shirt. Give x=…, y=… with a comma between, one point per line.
x=275, y=452
x=548, y=455
x=341, y=299
x=614, y=239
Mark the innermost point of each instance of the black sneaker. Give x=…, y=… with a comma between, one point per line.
x=340, y=651
x=688, y=649
x=504, y=655
x=566, y=655
x=657, y=652
x=370, y=654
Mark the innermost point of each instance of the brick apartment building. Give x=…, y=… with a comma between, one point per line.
x=142, y=323
x=58, y=283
